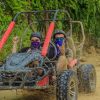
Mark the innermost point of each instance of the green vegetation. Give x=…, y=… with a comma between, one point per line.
x=87, y=11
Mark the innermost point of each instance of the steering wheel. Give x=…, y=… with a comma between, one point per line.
x=52, y=46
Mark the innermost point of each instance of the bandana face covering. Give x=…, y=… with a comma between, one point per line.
x=35, y=44
x=59, y=41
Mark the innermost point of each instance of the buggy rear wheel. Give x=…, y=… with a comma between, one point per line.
x=87, y=78
x=67, y=86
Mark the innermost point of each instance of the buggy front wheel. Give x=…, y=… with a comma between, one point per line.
x=67, y=86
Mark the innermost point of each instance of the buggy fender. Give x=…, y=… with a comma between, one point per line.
x=43, y=82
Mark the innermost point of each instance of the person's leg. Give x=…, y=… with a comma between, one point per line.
x=62, y=63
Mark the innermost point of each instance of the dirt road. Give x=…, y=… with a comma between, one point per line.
x=94, y=59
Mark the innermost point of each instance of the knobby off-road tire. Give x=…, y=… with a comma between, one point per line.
x=87, y=78
x=67, y=86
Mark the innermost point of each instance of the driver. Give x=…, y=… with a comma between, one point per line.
x=61, y=41
x=64, y=55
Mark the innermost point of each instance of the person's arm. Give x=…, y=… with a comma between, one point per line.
x=71, y=60
x=15, y=44
x=69, y=54
x=72, y=46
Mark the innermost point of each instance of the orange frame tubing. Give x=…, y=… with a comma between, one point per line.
x=7, y=34
x=47, y=39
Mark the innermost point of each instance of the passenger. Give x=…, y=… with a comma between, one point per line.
x=35, y=43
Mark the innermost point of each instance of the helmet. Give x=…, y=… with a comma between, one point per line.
x=36, y=34
x=59, y=32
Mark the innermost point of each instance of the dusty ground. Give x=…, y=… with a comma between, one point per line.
x=13, y=95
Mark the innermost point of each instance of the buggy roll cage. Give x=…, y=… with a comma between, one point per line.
x=50, y=29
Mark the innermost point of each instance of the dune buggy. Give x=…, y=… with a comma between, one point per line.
x=15, y=72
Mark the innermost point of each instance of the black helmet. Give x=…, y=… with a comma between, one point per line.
x=36, y=34
x=59, y=32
